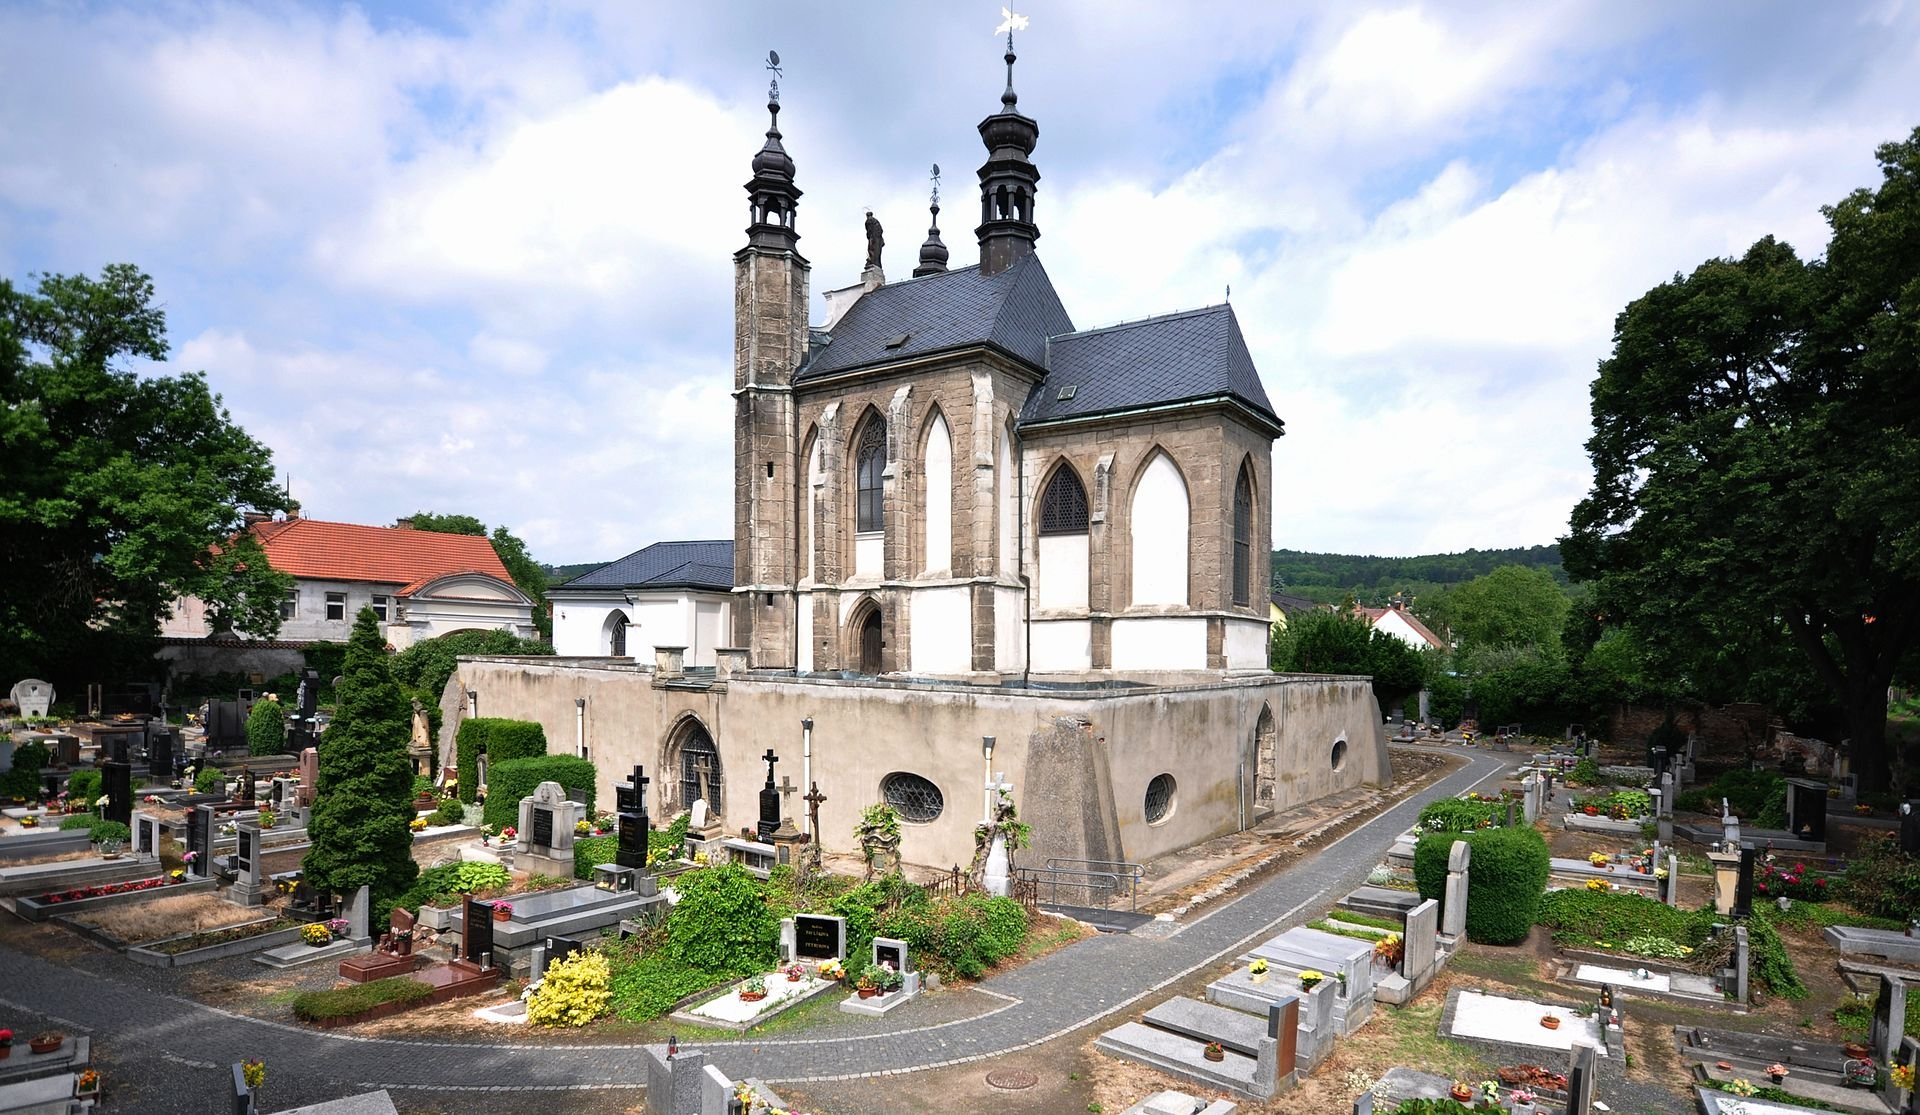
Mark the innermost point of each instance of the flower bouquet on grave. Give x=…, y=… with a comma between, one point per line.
x=1489, y=1094
x=315, y=934
x=1778, y=1072
x=1860, y=1072
x=795, y=973
x=830, y=970
x=867, y=986
x=1310, y=979
x=254, y=1072
x=86, y=1084
x=1739, y=1086
x=6, y=1044
x=502, y=911
x=29, y=821
x=1462, y=1091
x=509, y=834
x=754, y=990
x=1599, y=884
x=889, y=981
x=1258, y=971
x=418, y=824
x=1389, y=949
x=1214, y=1051
x=1902, y=1077
x=338, y=926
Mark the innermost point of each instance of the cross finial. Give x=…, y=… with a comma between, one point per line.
x=787, y=787
x=1010, y=22
x=770, y=758
x=936, y=185
x=773, y=86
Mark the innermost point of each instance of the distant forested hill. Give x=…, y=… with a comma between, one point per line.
x=1330, y=578
x=559, y=573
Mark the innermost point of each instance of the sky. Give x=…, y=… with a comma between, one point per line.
x=477, y=258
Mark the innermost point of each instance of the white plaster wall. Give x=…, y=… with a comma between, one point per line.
x=869, y=551
x=815, y=480
x=1160, y=643
x=1062, y=644
x=709, y=620
x=1009, y=630
x=657, y=620
x=1062, y=576
x=1159, y=535
x=1008, y=486
x=580, y=623
x=939, y=511
x=804, y=614
x=942, y=631
x=1395, y=624
x=1246, y=644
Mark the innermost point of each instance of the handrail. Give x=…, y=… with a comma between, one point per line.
x=1105, y=884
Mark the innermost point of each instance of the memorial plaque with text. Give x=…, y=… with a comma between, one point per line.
x=542, y=836
x=818, y=938
x=476, y=933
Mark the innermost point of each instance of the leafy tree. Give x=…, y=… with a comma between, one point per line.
x=121, y=492
x=1342, y=643
x=1512, y=606
x=528, y=574
x=1757, y=458
x=266, y=728
x=364, y=801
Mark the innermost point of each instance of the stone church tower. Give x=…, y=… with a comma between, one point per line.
x=947, y=479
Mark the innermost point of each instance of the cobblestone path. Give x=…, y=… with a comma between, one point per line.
x=1049, y=997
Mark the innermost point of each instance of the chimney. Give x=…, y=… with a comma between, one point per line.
x=293, y=512
x=254, y=518
x=405, y=523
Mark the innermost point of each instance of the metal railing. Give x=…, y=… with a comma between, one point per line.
x=1101, y=882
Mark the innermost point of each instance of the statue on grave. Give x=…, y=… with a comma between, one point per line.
x=875, y=240
x=879, y=836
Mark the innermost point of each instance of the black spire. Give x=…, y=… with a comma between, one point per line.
x=771, y=193
x=933, y=253
x=1008, y=182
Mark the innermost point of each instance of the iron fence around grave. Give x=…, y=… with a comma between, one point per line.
x=1089, y=883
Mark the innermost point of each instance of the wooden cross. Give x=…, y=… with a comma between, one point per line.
x=770, y=758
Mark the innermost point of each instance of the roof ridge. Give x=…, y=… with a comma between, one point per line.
x=1137, y=322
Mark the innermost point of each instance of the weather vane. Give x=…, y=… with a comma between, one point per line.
x=773, y=64
x=1009, y=22
x=936, y=183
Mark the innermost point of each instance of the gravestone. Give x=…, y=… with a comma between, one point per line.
x=33, y=696
x=892, y=951
x=1743, y=887
x=1742, y=964
x=200, y=825
x=1807, y=809
x=630, y=798
x=559, y=948
x=819, y=937
x=306, y=705
x=1453, y=908
x=547, y=819
x=476, y=933
x=146, y=835
x=769, y=801
x=1889, y=1018
x=309, y=776
x=1729, y=827
x=1657, y=759
x=1672, y=892
x=1580, y=1079
x=160, y=752
x=248, y=889
x=117, y=777
x=1909, y=828
x=1417, y=947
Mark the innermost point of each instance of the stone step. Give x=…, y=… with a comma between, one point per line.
x=1234, y=1029
x=1182, y=1056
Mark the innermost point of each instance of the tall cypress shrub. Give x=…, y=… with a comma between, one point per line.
x=266, y=728
x=364, y=802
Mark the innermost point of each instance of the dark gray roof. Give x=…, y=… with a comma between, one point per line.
x=1198, y=354
x=707, y=565
x=1017, y=310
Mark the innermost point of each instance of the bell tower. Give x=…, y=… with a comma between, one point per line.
x=1008, y=181
x=769, y=341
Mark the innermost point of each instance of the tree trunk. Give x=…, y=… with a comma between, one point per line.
x=1866, y=711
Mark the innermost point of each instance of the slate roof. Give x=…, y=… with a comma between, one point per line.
x=1016, y=310
x=1179, y=357
x=322, y=550
x=704, y=565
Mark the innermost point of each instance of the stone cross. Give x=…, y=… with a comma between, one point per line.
x=787, y=790
x=770, y=758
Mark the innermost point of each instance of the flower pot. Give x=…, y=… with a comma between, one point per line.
x=1214, y=1054
x=1259, y=977
x=502, y=915
x=1550, y=1021
x=6, y=1051
x=752, y=996
x=1855, y=1051
x=795, y=979
x=1778, y=1077
x=47, y=1045
x=1309, y=984
x=867, y=992
x=1464, y=1095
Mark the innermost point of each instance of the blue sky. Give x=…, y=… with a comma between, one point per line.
x=477, y=258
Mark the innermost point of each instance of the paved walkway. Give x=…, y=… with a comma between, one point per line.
x=1050, y=997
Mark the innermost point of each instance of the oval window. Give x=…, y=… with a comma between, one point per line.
x=1160, y=798
x=917, y=800
x=1339, y=756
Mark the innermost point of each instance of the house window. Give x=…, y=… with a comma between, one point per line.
x=336, y=605
x=1063, y=506
x=1243, y=539
x=869, y=486
x=382, y=608
x=290, y=606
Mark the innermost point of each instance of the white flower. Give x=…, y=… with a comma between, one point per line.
x=103, y=800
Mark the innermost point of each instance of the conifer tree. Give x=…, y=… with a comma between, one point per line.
x=364, y=802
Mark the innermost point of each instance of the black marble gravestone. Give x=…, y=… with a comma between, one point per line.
x=769, y=801
x=200, y=840
x=542, y=826
x=1910, y=828
x=148, y=836
x=559, y=948
x=1743, y=887
x=306, y=703
x=160, y=753
x=818, y=938
x=117, y=776
x=631, y=800
x=476, y=933
x=1807, y=809
x=1657, y=759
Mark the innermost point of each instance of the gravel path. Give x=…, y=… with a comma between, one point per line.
x=171, y=1052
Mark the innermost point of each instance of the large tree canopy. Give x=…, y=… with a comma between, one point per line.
x=1756, y=457
x=525, y=571
x=1514, y=605
x=1322, y=642
x=120, y=492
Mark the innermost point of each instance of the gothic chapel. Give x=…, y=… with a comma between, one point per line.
x=947, y=479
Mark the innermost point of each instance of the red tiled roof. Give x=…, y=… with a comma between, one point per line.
x=1374, y=616
x=384, y=555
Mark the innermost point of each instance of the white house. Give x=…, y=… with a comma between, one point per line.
x=1404, y=626
x=674, y=594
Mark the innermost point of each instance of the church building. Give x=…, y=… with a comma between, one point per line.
x=971, y=540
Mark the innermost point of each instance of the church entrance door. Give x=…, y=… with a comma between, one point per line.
x=870, y=643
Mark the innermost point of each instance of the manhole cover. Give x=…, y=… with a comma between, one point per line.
x=1012, y=1079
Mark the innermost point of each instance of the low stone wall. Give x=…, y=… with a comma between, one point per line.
x=150, y=956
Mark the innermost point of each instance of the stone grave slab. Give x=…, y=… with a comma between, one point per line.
x=731, y=1011
x=1624, y=979
x=1382, y=902
x=1180, y=1103
x=1715, y=1102
x=1886, y=943
x=1517, y=1022
x=1233, y=1029
x=1322, y=1014
x=1182, y=1055
x=1326, y=952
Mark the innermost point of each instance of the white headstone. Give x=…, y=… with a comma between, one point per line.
x=697, y=817
x=33, y=696
x=1453, y=908
x=997, y=877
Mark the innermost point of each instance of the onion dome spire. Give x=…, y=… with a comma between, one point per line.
x=933, y=253
x=1008, y=181
x=772, y=195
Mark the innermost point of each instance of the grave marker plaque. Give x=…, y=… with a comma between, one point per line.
x=543, y=828
x=819, y=938
x=118, y=778
x=476, y=933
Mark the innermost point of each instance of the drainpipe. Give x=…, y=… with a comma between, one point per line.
x=580, y=726
x=806, y=770
x=1026, y=581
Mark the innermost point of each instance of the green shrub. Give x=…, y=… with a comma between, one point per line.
x=1460, y=815
x=23, y=781
x=590, y=852
x=861, y=906
x=509, y=780
x=1883, y=881
x=1391, y=925
x=340, y=1002
x=1612, y=919
x=1506, y=877
x=646, y=982
x=499, y=740
x=1586, y=772
x=451, y=812
x=722, y=922
x=98, y=828
x=266, y=729
x=84, y=787
x=209, y=780
x=78, y=821
x=960, y=937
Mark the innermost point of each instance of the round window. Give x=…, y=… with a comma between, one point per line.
x=1160, y=798
x=916, y=800
x=1339, y=756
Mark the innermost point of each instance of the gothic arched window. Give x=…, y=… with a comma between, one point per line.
x=1063, y=506
x=1243, y=539
x=870, y=462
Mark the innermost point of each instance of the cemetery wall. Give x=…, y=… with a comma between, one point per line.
x=202, y=658
x=1725, y=733
x=1080, y=761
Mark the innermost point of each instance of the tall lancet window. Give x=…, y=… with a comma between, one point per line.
x=1243, y=539
x=1061, y=580
x=869, y=495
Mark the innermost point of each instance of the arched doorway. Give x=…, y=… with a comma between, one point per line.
x=696, y=761
x=1265, y=749
x=870, y=642
x=616, y=634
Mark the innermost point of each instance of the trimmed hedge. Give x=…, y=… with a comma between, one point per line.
x=512, y=779
x=500, y=740
x=266, y=729
x=1505, y=879
x=1462, y=815
x=342, y=1002
x=83, y=786
x=98, y=828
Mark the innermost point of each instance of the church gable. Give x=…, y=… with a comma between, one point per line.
x=1184, y=357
